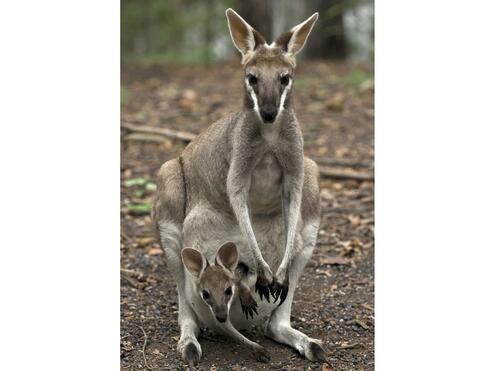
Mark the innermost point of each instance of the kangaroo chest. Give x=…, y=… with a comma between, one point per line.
x=266, y=185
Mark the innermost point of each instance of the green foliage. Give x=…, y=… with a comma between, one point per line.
x=124, y=95
x=142, y=186
x=357, y=77
x=139, y=209
x=177, y=31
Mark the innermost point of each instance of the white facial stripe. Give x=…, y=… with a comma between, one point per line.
x=254, y=98
x=231, y=299
x=284, y=95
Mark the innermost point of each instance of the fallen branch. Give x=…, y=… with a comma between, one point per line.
x=144, y=348
x=169, y=133
x=133, y=282
x=341, y=162
x=344, y=174
x=349, y=346
x=145, y=137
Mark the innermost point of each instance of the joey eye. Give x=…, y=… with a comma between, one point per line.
x=205, y=294
x=228, y=291
x=252, y=80
x=284, y=80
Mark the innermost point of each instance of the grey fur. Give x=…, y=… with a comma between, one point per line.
x=246, y=181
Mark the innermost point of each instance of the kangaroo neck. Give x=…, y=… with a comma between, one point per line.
x=270, y=132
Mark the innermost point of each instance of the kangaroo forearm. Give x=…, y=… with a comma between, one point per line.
x=291, y=208
x=231, y=331
x=238, y=202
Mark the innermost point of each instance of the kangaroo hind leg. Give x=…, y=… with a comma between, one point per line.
x=168, y=214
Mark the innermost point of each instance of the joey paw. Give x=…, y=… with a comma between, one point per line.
x=191, y=354
x=249, y=306
x=262, y=355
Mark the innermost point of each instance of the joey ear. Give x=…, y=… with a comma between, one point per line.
x=293, y=41
x=227, y=256
x=245, y=37
x=194, y=261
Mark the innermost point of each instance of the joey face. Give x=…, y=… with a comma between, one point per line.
x=215, y=283
x=216, y=288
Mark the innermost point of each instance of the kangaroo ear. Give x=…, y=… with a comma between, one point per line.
x=194, y=261
x=245, y=37
x=293, y=41
x=227, y=256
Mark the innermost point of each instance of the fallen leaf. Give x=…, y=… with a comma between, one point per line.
x=143, y=241
x=336, y=102
x=326, y=194
x=355, y=220
x=155, y=251
x=326, y=367
x=334, y=260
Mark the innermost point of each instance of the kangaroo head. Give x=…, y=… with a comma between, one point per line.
x=215, y=282
x=268, y=69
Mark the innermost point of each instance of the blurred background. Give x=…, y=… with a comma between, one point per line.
x=193, y=31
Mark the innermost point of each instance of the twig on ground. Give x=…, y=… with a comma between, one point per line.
x=126, y=237
x=349, y=346
x=134, y=283
x=169, y=133
x=344, y=174
x=359, y=323
x=144, y=137
x=144, y=348
x=367, y=306
x=341, y=162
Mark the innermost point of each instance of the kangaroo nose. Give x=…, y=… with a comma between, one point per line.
x=268, y=113
x=221, y=319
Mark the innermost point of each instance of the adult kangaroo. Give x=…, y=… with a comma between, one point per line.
x=245, y=180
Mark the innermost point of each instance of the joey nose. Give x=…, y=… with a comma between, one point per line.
x=268, y=112
x=221, y=318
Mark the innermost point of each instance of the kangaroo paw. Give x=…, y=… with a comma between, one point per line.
x=279, y=290
x=263, y=282
x=263, y=291
x=262, y=355
x=249, y=306
x=191, y=354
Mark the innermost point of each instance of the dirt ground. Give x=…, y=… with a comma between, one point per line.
x=334, y=300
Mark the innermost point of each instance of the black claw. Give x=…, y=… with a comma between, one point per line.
x=283, y=295
x=263, y=291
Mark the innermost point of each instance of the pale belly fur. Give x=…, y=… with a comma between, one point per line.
x=206, y=230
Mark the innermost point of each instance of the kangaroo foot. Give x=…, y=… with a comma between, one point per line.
x=315, y=352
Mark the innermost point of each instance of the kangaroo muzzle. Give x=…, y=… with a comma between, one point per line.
x=268, y=113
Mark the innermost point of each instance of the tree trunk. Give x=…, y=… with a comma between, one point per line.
x=258, y=13
x=329, y=39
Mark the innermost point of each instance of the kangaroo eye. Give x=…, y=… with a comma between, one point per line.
x=252, y=79
x=228, y=291
x=205, y=294
x=284, y=80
